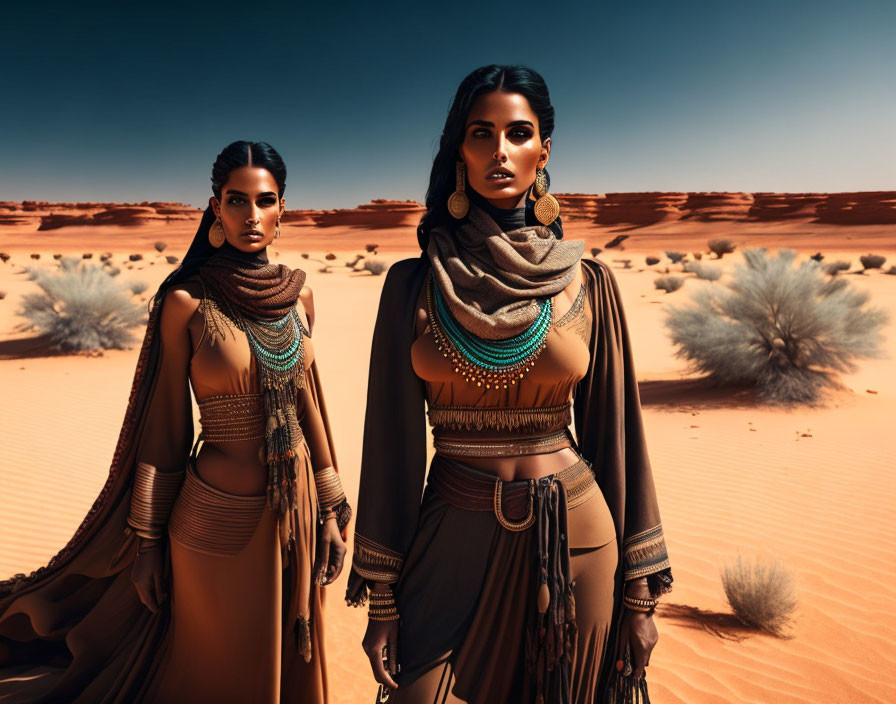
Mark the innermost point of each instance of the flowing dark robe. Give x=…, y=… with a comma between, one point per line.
x=76, y=630
x=608, y=428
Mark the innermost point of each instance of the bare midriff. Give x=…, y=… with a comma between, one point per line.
x=522, y=467
x=235, y=467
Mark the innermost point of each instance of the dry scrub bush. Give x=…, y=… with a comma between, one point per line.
x=137, y=287
x=760, y=594
x=652, y=260
x=668, y=283
x=135, y=257
x=698, y=255
x=87, y=255
x=375, y=266
x=171, y=259
x=595, y=251
x=82, y=309
x=35, y=256
x=5, y=257
x=704, y=270
x=160, y=246
x=785, y=331
x=721, y=247
x=891, y=270
x=57, y=256
x=872, y=261
x=371, y=247
x=676, y=256
x=818, y=256
x=832, y=268
x=2, y=295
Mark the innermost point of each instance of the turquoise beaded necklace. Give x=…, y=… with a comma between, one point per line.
x=494, y=364
x=271, y=346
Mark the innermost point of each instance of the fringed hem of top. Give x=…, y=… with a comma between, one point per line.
x=543, y=419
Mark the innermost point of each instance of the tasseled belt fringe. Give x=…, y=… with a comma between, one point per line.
x=544, y=419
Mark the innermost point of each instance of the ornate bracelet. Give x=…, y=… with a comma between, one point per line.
x=329, y=488
x=382, y=607
x=152, y=498
x=637, y=604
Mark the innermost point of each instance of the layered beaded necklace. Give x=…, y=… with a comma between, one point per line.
x=277, y=344
x=494, y=364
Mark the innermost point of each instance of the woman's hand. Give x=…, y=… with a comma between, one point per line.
x=638, y=630
x=381, y=643
x=148, y=576
x=330, y=553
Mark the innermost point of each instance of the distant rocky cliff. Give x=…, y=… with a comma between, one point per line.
x=610, y=209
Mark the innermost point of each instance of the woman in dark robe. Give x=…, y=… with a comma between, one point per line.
x=198, y=577
x=528, y=568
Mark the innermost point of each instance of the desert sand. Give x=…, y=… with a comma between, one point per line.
x=811, y=487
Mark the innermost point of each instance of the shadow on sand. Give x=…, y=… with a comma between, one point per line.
x=29, y=348
x=695, y=394
x=716, y=623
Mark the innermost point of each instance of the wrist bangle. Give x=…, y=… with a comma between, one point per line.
x=152, y=498
x=382, y=606
x=637, y=604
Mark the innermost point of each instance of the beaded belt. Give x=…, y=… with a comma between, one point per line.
x=232, y=417
x=538, y=419
x=471, y=446
x=471, y=489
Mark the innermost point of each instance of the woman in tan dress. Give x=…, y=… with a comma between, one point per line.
x=197, y=577
x=527, y=569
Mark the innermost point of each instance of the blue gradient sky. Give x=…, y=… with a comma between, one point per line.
x=132, y=101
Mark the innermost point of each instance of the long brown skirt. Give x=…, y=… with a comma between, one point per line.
x=226, y=639
x=463, y=595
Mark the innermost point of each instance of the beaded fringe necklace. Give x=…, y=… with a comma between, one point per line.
x=279, y=351
x=490, y=363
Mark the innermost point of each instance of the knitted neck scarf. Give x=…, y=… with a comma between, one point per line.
x=260, y=299
x=492, y=280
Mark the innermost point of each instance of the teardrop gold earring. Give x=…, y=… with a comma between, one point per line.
x=546, y=208
x=458, y=203
x=277, y=230
x=216, y=234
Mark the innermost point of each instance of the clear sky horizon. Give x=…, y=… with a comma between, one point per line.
x=133, y=101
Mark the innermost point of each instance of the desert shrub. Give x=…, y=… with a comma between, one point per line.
x=135, y=257
x=833, y=267
x=35, y=256
x=704, y=270
x=137, y=287
x=721, y=247
x=668, y=283
x=595, y=251
x=330, y=257
x=160, y=246
x=652, y=260
x=891, y=270
x=375, y=266
x=305, y=255
x=2, y=295
x=818, y=256
x=69, y=263
x=371, y=247
x=57, y=256
x=105, y=256
x=171, y=259
x=676, y=256
x=5, y=257
x=82, y=309
x=87, y=255
x=698, y=256
x=761, y=594
x=785, y=331
x=872, y=261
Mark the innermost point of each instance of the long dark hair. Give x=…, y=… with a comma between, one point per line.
x=487, y=79
x=233, y=156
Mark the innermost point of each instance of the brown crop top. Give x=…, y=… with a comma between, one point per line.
x=539, y=403
x=221, y=364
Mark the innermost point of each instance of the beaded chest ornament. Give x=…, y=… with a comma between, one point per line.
x=494, y=364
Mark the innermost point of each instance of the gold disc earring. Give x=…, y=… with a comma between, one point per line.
x=458, y=203
x=216, y=234
x=546, y=208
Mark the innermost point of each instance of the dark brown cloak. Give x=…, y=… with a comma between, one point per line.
x=76, y=628
x=608, y=428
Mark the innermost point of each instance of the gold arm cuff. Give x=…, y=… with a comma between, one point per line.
x=375, y=562
x=329, y=488
x=644, y=553
x=152, y=497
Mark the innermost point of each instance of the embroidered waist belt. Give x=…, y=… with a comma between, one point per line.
x=232, y=417
x=513, y=502
x=475, y=446
x=539, y=419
